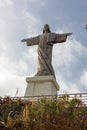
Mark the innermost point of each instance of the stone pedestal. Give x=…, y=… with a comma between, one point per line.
x=41, y=85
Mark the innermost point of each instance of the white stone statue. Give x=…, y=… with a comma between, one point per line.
x=45, y=43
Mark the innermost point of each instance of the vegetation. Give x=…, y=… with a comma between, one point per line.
x=43, y=114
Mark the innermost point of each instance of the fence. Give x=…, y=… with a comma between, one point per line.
x=81, y=96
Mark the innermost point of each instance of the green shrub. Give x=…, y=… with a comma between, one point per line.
x=43, y=114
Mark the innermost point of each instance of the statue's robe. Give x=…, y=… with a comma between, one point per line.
x=45, y=43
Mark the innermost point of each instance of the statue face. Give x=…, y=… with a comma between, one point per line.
x=46, y=28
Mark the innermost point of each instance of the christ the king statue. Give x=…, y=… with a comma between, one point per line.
x=45, y=43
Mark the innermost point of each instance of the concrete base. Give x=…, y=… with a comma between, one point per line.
x=41, y=85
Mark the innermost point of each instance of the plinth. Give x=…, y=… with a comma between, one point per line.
x=41, y=85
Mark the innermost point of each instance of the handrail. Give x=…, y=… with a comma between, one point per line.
x=81, y=96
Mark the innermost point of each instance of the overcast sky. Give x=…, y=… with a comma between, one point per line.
x=20, y=19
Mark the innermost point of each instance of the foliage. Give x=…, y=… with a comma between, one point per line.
x=43, y=114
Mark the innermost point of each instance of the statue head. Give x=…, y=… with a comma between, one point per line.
x=46, y=28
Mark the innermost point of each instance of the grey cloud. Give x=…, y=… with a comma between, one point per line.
x=25, y=18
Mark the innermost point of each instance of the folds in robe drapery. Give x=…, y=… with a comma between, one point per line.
x=45, y=43
x=44, y=64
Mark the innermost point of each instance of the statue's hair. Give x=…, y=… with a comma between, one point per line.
x=46, y=25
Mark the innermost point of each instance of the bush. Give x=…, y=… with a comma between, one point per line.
x=43, y=114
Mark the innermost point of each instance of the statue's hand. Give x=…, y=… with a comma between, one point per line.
x=68, y=34
x=24, y=40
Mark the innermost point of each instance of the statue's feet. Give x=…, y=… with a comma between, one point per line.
x=38, y=73
x=43, y=73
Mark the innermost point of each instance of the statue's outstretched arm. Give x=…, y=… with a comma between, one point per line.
x=60, y=38
x=68, y=34
x=54, y=38
x=23, y=40
x=32, y=41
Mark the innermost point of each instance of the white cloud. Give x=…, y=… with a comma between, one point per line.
x=17, y=20
x=13, y=23
x=68, y=56
x=83, y=78
x=11, y=76
x=16, y=60
x=67, y=86
x=10, y=82
x=67, y=53
x=32, y=23
x=41, y=2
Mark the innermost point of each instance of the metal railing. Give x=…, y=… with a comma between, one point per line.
x=80, y=96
